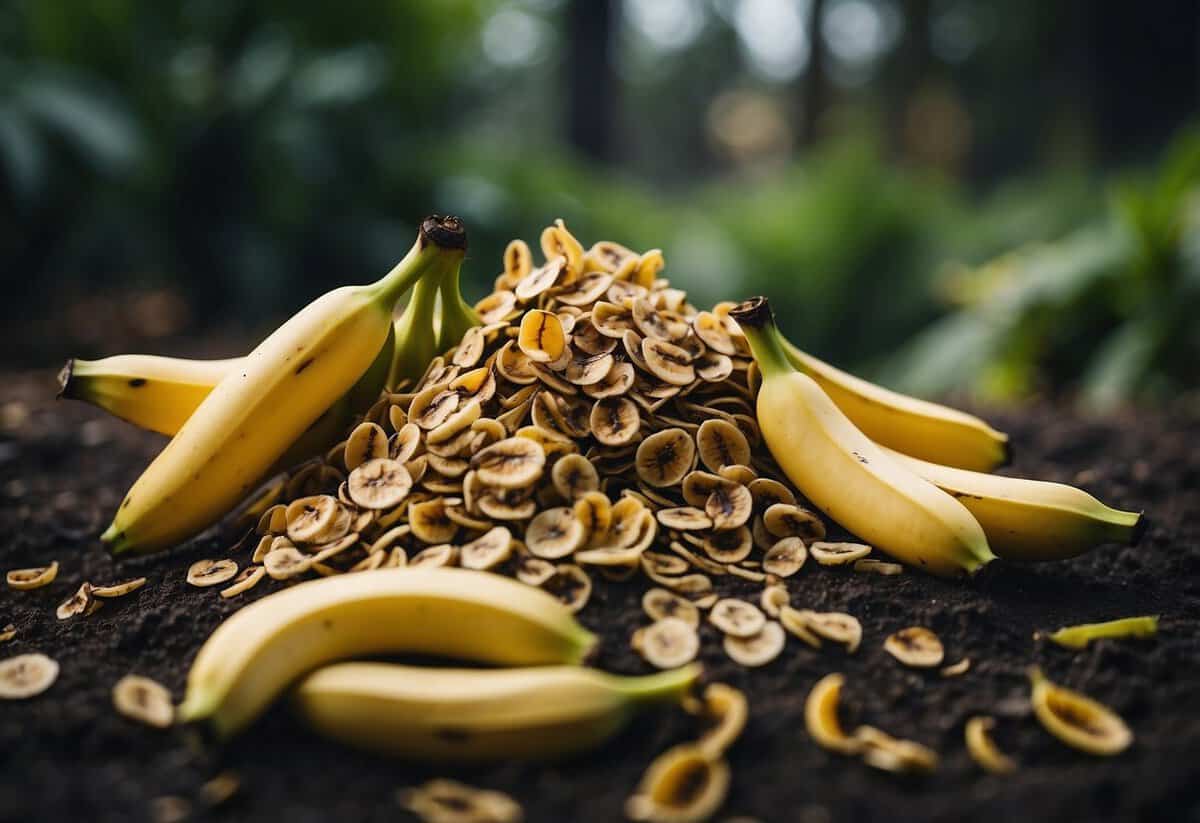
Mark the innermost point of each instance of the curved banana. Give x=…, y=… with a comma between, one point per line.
x=910, y=425
x=478, y=714
x=1031, y=519
x=251, y=417
x=468, y=615
x=156, y=393
x=846, y=475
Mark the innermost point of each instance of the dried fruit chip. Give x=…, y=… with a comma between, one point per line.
x=660, y=604
x=722, y=444
x=26, y=675
x=665, y=457
x=33, y=578
x=786, y=520
x=379, y=484
x=574, y=476
x=488, y=550
x=667, y=643
x=513, y=463
x=684, y=518
x=983, y=749
x=368, y=441
x=447, y=801
x=246, y=580
x=286, y=562
x=542, y=338
x=786, y=557
x=120, y=588
x=730, y=506
x=915, y=646
x=310, y=517
x=683, y=785
x=554, y=533
x=821, y=718
x=756, y=650
x=142, y=699
x=204, y=573
x=571, y=585
x=838, y=554
x=1078, y=720
x=737, y=617
x=727, y=709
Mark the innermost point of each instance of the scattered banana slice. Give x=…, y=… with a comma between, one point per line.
x=877, y=567
x=142, y=699
x=204, y=573
x=541, y=338
x=26, y=675
x=790, y=520
x=983, y=749
x=488, y=550
x=1077, y=637
x=379, y=483
x=955, y=669
x=1077, y=719
x=574, y=476
x=774, y=597
x=786, y=557
x=554, y=533
x=684, y=518
x=727, y=709
x=448, y=801
x=682, y=785
x=429, y=522
x=882, y=751
x=821, y=719
x=667, y=643
x=79, y=603
x=729, y=505
x=571, y=585
x=915, y=646
x=246, y=580
x=33, y=578
x=120, y=588
x=8, y=632
x=837, y=554
x=720, y=444
x=795, y=621
x=759, y=649
x=513, y=463
x=286, y=562
x=737, y=618
x=660, y=604
x=665, y=457
x=534, y=571
x=367, y=442
x=439, y=556
x=309, y=517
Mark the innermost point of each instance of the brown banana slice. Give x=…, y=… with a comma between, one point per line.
x=877, y=567
x=982, y=747
x=557, y=241
x=80, y=602
x=730, y=506
x=32, y=578
x=774, y=597
x=26, y=675
x=611, y=320
x=586, y=290
x=434, y=557
x=742, y=475
x=310, y=517
x=488, y=550
x=712, y=367
x=758, y=649
x=593, y=510
x=720, y=444
x=607, y=256
x=120, y=588
x=514, y=366
x=554, y=533
x=838, y=554
x=497, y=306
x=786, y=557
x=617, y=382
x=286, y=562
x=668, y=362
x=518, y=261
x=767, y=492
x=727, y=709
x=615, y=421
x=684, y=518
x=737, y=617
x=379, y=484
x=247, y=579
x=588, y=369
x=1078, y=720
x=587, y=340
x=571, y=585
x=684, y=784
x=429, y=522
x=448, y=801
x=513, y=463
x=882, y=751
x=655, y=324
x=667, y=643
x=456, y=423
x=574, y=476
x=659, y=604
x=506, y=507
x=540, y=279
x=142, y=699
x=368, y=441
x=405, y=442
x=731, y=546
x=470, y=348
x=784, y=520
x=534, y=571
x=211, y=572
x=665, y=457
x=698, y=485
x=915, y=646
x=836, y=626
x=709, y=328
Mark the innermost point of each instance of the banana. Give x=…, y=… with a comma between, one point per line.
x=468, y=615
x=916, y=427
x=251, y=417
x=846, y=475
x=415, y=336
x=155, y=393
x=456, y=316
x=461, y=715
x=1031, y=519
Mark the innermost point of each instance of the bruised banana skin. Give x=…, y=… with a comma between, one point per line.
x=846, y=475
x=474, y=715
x=255, y=413
x=925, y=430
x=260, y=650
x=1031, y=519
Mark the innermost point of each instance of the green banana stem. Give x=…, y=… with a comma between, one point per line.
x=757, y=322
x=415, y=340
x=457, y=315
x=441, y=242
x=668, y=686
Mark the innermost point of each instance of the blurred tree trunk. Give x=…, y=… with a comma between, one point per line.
x=816, y=85
x=591, y=79
x=910, y=68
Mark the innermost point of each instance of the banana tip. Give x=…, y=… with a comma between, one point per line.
x=444, y=231
x=1139, y=529
x=1006, y=453
x=755, y=312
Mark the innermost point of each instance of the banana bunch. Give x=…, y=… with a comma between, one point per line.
x=547, y=707
x=268, y=400
x=856, y=460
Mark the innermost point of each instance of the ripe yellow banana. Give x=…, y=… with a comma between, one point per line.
x=1031, y=519
x=535, y=712
x=916, y=427
x=156, y=393
x=846, y=475
x=456, y=613
x=255, y=413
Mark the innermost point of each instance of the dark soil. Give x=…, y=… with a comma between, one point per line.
x=68, y=756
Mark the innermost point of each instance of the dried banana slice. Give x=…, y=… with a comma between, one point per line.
x=120, y=588
x=786, y=557
x=514, y=366
x=448, y=801
x=667, y=643
x=668, y=362
x=772, y=600
x=246, y=580
x=571, y=585
x=26, y=675
x=1076, y=719
x=737, y=618
x=838, y=554
x=379, y=483
x=429, y=521
x=454, y=425
x=368, y=441
x=574, y=476
x=821, y=716
x=712, y=367
x=488, y=550
x=786, y=520
x=204, y=573
x=534, y=571
x=405, y=442
x=983, y=749
x=882, y=751
x=470, y=348
x=655, y=324
x=767, y=492
x=616, y=382
x=698, y=485
x=731, y=546
x=683, y=785
x=730, y=506
x=558, y=242
x=721, y=444
x=684, y=518
x=542, y=338
x=615, y=421
x=518, y=262
x=142, y=699
x=915, y=646
x=433, y=557
x=759, y=649
x=310, y=517
x=665, y=457
x=8, y=632
x=955, y=669
x=513, y=463
x=540, y=279
x=554, y=533
x=660, y=604
x=32, y=578
x=497, y=306
x=593, y=510
x=286, y=562
x=727, y=709
x=880, y=567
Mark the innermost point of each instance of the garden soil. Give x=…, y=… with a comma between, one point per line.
x=67, y=756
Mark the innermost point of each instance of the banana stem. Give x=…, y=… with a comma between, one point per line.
x=415, y=342
x=457, y=314
x=668, y=686
x=758, y=324
x=439, y=239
